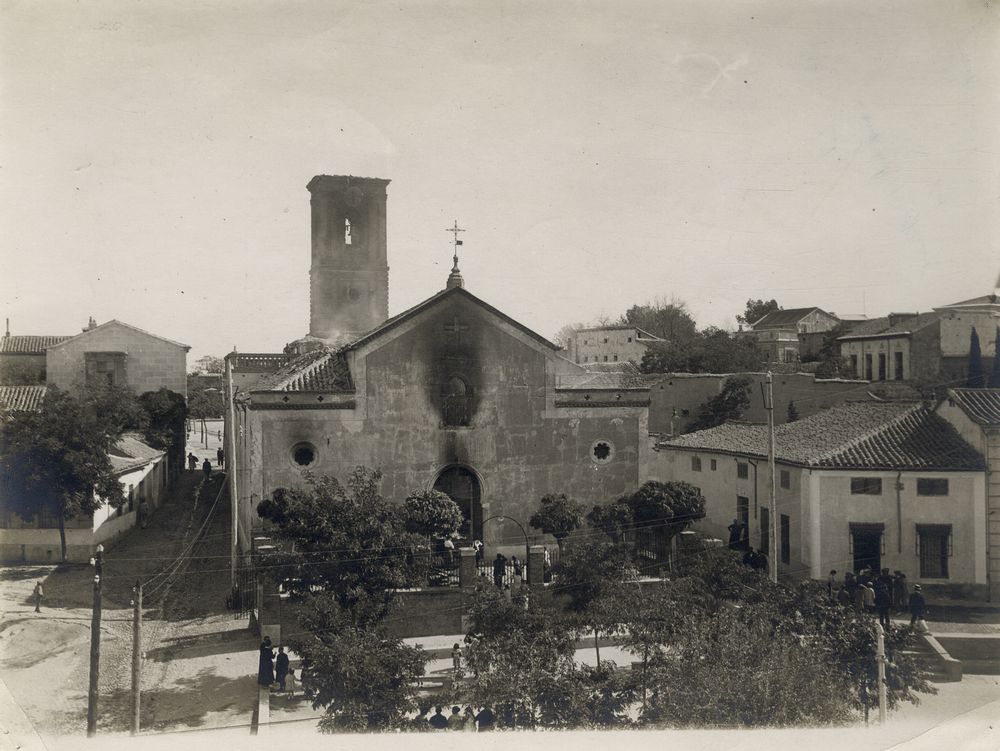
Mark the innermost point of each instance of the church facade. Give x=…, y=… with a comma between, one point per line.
x=451, y=394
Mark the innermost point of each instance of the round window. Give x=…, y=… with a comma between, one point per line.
x=602, y=452
x=304, y=454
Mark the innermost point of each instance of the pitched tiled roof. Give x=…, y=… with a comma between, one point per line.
x=881, y=327
x=319, y=370
x=858, y=435
x=448, y=292
x=21, y=398
x=981, y=405
x=788, y=317
x=975, y=302
x=623, y=327
x=128, y=326
x=29, y=345
x=130, y=452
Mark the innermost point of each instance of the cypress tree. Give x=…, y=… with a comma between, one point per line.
x=793, y=412
x=995, y=373
x=975, y=380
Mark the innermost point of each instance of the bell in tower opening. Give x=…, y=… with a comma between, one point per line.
x=349, y=274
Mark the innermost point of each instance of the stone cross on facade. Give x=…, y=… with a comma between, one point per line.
x=455, y=326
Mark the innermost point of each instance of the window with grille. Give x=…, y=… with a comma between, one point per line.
x=933, y=550
x=866, y=486
x=932, y=486
x=696, y=464
x=742, y=470
x=786, y=478
x=713, y=464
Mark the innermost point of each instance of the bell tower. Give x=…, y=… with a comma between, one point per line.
x=349, y=274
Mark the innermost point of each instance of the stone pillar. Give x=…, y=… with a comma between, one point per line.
x=536, y=566
x=466, y=568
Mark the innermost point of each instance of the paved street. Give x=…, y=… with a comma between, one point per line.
x=199, y=662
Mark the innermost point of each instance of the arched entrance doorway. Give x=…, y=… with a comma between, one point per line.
x=462, y=486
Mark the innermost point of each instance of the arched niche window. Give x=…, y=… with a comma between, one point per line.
x=351, y=235
x=455, y=398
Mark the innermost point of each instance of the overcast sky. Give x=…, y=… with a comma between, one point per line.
x=154, y=156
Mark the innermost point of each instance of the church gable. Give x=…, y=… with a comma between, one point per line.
x=459, y=363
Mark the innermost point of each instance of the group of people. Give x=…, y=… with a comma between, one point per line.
x=467, y=719
x=206, y=466
x=878, y=592
x=274, y=671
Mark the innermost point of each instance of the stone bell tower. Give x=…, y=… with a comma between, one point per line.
x=349, y=275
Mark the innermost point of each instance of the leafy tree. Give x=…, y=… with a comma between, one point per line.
x=363, y=677
x=209, y=364
x=519, y=656
x=348, y=540
x=167, y=413
x=975, y=380
x=557, y=515
x=793, y=412
x=668, y=320
x=116, y=409
x=613, y=519
x=757, y=309
x=206, y=403
x=344, y=551
x=728, y=404
x=665, y=509
x=995, y=373
x=56, y=459
x=564, y=336
x=592, y=573
x=431, y=513
x=712, y=350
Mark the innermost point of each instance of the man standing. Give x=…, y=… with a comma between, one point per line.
x=281, y=667
x=220, y=457
x=499, y=570
x=192, y=461
x=917, y=605
x=39, y=594
x=735, y=534
x=206, y=467
x=883, y=601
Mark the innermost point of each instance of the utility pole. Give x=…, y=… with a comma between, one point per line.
x=880, y=659
x=136, y=653
x=773, y=515
x=231, y=464
x=95, y=642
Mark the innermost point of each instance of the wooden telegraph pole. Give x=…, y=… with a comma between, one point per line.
x=880, y=659
x=95, y=642
x=773, y=515
x=136, y=653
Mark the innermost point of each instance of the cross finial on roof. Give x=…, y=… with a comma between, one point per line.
x=455, y=278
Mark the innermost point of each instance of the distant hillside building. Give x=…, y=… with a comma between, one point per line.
x=778, y=333
x=932, y=347
x=618, y=343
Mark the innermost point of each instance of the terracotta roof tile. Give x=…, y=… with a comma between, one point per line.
x=21, y=398
x=859, y=435
x=320, y=370
x=29, y=345
x=880, y=326
x=981, y=405
x=784, y=317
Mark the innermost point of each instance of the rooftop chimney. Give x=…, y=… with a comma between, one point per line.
x=91, y=324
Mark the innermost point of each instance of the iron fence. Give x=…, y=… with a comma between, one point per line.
x=243, y=599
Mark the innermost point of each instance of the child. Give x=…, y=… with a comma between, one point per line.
x=291, y=684
x=456, y=657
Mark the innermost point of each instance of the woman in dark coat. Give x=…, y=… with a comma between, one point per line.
x=265, y=672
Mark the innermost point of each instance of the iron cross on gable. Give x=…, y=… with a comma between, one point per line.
x=455, y=241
